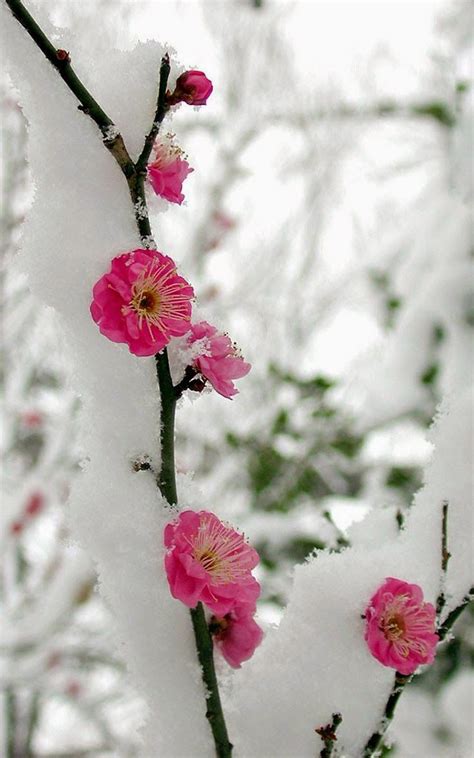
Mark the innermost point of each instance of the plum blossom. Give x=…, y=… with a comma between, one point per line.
x=34, y=504
x=209, y=562
x=168, y=171
x=236, y=635
x=400, y=627
x=192, y=87
x=142, y=301
x=219, y=362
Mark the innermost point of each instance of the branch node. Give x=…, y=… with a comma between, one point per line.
x=63, y=56
x=328, y=735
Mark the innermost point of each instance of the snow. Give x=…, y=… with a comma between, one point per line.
x=316, y=662
x=80, y=219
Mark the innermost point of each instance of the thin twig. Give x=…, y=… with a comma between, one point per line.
x=376, y=739
x=10, y=719
x=135, y=180
x=161, y=111
x=166, y=477
x=32, y=722
x=214, y=712
x=61, y=61
x=328, y=735
x=453, y=616
x=445, y=556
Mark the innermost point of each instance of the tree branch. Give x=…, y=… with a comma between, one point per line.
x=445, y=556
x=214, y=712
x=166, y=477
x=62, y=63
x=161, y=111
x=452, y=617
x=328, y=735
x=135, y=176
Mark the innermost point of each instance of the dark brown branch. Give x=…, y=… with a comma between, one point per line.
x=161, y=111
x=61, y=61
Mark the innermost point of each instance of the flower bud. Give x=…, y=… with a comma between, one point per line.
x=192, y=87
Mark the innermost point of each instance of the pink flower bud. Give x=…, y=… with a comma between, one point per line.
x=192, y=87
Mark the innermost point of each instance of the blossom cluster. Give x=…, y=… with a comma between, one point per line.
x=143, y=302
x=209, y=562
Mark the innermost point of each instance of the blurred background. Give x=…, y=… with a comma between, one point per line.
x=328, y=229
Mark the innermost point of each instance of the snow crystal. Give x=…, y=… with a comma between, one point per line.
x=111, y=133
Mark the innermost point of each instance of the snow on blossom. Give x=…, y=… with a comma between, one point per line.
x=168, y=171
x=219, y=362
x=192, y=87
x=142, y=301
x=209, y=562
x=237, y=634
x=400, y=630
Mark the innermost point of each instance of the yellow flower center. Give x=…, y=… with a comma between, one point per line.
x=393, y=627
x=146, y=302
x=219, y=550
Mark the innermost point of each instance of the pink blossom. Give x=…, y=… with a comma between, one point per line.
x=34, y=504
x=16, y=527
x=219, y=362
x=236, y=635
x=192, y=87
x=400, y=630
x=168, y=172
x=209, y=562
x=32, y=419
x=142, y=301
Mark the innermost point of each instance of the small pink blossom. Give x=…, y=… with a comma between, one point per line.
x=142, y=301
x=192, y=87
x=32, y=419
x=223, y=221
x=34, y=504
x=209, y=562
x=400, y=627
x=236, y=635
x=168, y=172
x=16, y=527
x=219, y=362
